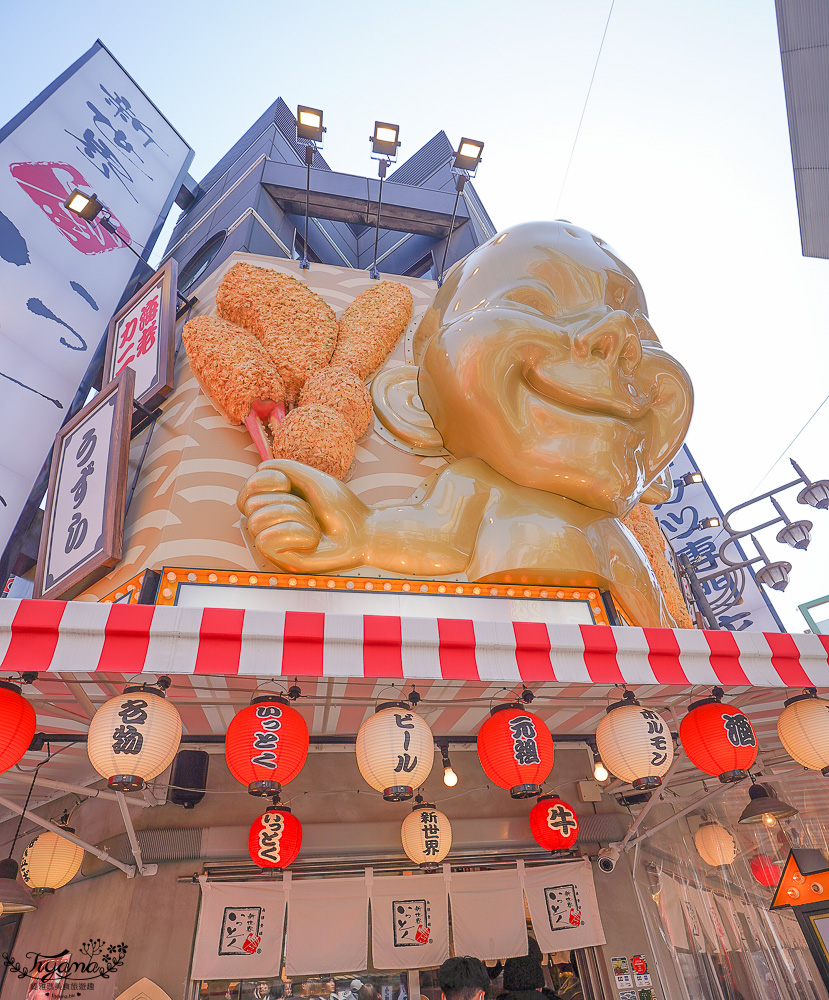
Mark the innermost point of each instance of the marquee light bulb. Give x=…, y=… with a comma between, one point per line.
x=449, y=777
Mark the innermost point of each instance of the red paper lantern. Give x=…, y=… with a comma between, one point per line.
x=554, y=824
x=266, y=745
x=764, y=870
x=719, y=739
x=17, y=725
x=515, y=749
x=275, y=838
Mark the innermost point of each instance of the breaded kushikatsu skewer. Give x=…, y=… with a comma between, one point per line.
x=371, y=326
x=236, y=374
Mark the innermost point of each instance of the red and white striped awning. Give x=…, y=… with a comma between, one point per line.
x=84, y=637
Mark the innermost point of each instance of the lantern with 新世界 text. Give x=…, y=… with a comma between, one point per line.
x=395, y=751
x=718, y=739
x=554, y=823
x=275, y=838
x=635, y=743
x=17, y=725
x=426, y=834
x=515, y=749
x=266, y=745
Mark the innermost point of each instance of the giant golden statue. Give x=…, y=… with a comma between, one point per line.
x=538, y=371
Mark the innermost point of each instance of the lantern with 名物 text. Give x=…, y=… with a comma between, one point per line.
x=395, y=751
x=426, y=834
x=275, y=838
x=266, y=745
x=718, y=739
x=554, y=823
x=635, y=743
x=515, y=749
x=17, y=725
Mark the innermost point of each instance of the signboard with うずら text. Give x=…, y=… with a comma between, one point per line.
x=61, y=278
x=141, y=336
x=83, y=525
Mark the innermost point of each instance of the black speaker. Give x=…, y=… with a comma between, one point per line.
x=189, y=778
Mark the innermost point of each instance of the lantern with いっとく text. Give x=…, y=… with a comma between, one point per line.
x=275, y=838
x=515, y=749
x=266, y=744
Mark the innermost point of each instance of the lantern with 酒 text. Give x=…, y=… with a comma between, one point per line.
x=718, y=739
x=134, y=737
x=395, y=751
x=275, y=838
x=50, y=861
x=635, y=743
x=266, y=745
x=714, y=844
x=17, y=725
x=515, y=749
x=426, y=834
x=803, y=728
x=764, y=870
x=554, y=824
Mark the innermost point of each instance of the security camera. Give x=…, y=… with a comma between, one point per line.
x=608, y=856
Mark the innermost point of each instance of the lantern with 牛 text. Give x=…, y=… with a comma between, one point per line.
x=266, y=745
x=395, y=751
x=515, y=749
x=635, y=743
x=718, y=738
x=275, y=838
x=554, y=824
x=426, y=834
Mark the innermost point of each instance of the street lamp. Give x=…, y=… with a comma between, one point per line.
x=309, y=130
x=384, y=146
x=464, y=167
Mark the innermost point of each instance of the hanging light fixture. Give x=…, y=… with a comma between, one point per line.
x=275, y=838
x=134, y=736
x=714, y=844
x=17, y=725
x=600, y=772
x=635, y=743
x=803, y=728
x=764, y=807
x=764, y=870
x=554, y=824
x=426, y=834
x=395, y=751
x=50, y=861
x=266, y=745
x=718, y=739
x=515, y=749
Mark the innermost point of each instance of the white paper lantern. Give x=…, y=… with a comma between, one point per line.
x=803, y=728
x=426, y=834
x=50, y=861
x=715, y=844
x=134, y=737
x=395, y=751
x=635, y=743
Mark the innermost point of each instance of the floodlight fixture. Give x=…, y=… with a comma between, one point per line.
x=710, y=522
x=385, y=141
x=309, y=126
x=689, y=479
x=83, y=205
x=468, y=156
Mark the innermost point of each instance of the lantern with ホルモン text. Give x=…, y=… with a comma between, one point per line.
x=395, y=751
x=266, y=745
x=803, y=728
x=17, y=725
x=515, y=749
x=275, y=838
x=714, y=844
x=50, y=861
x=426, y=834
x=718, y=739
x=134, y=737
x=554, y=824
x=635, y=743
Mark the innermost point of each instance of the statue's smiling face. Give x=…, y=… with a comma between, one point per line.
x=538, y=358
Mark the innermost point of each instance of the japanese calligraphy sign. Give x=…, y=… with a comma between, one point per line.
x=737, y=600
x=410, y=922
x=61, y=278
x=141, y=336
x=83, y=524
x=563, y=907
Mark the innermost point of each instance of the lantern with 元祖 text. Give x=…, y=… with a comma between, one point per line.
x=266, y=744
x=515, y=749
x=275, y=838
x=718, y=739
x=554, y=824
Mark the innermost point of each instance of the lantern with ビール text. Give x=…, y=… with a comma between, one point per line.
x=266, y=745
x=714, y=844
x=554, y=824
x=50, y=861
x=17, y=725
x=764, y=870
x=635, y=743
x=803, y=728
x=134, y=737
x=426, y=834
x=718, y=739
x=275, y=838
x=395, y=751
x=515, y=749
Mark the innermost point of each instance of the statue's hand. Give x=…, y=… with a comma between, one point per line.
x=303, y=520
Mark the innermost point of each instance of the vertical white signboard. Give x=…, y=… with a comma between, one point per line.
x=60, y=277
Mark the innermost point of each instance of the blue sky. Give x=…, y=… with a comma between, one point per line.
x=683, y=163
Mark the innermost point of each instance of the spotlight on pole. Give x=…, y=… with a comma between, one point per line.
x=309, y=130
x=710, y=522
x=464, y=167
x=384, y=146
x=83, y=205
